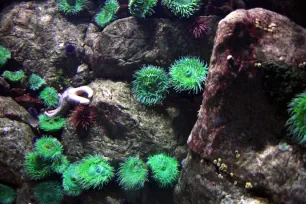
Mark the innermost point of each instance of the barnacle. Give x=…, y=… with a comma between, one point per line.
x=142, y=8
x=70, y=181
x=107, y=13
x=188, y=74
x=71, y=7
x=5, y=55
x=36, y=82
x=13, y=76
x=36, y=167
x=50, y=97
x=48, y=148
x=51, y=124
x=133, y=173
x=7, y=194
x=49, y=192
x=94, y=172
x=182, y=8
x=150, y=85
x=164, y=168
x=297, y=122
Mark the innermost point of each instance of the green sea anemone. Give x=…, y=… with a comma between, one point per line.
x=13, y=76
x=36, y=167
x=142, y=8
x=49, y=148
x=107, y=13
x=5, y=55
x=188, y=74
x=94, y=172
x=133, y=173
x=71, y=7
x=50, y=97
x=49, y=192
x=164, y=168
x=51, y=124
x=59, y=165
x=70, y=181
x=36, y=82
x=297, y=122
x=182, y=8
x=150, y=85
x=7, y=194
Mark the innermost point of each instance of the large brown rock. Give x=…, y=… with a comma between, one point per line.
x=127, y=44
x=243, y=114
x=15, y=141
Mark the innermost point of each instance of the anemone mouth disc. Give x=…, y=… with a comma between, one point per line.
x=183, y=2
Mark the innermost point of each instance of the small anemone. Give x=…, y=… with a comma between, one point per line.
x=71, y=7
x=107, y=13
x=133, y=173
x=35, y=167
x=51, y=124
x=50, y=97
x=5, y=55
x=48, y=148
x=182, y=8
x=36, y=82
x=164, y=168
x=7, y=194
x=188, y=74
x=70, y=181
x=82, y=117
x=94, y=172
x=14, y=76
x=297, y=121
x=142, y=8
x=151, y=85
x=49, y=192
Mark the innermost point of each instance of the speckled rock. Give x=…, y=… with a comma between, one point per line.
x=241, y=124
x=127, y=44
x=15, y=141
x=36, y=33
x=126, y=128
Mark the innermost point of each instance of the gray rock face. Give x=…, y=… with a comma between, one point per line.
x=127, y=44
x=15, y=141
x=36, y=33
x=126, y=128
x=241, y=123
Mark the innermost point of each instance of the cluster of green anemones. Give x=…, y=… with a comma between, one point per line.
x=92, y=171
x=142, y=8
x=188, y=74
x=71, y=7
x=297, y=122
x=182, y=8
x=5, y=55
x=132, y=174
x=151, y=85
x=51, y=124
x=49, y=192
x=14, y=76
x=46, y=158
x=164, y=168
x=36, y=82
x=7, y=194
x=50, y=97
x=107, y=13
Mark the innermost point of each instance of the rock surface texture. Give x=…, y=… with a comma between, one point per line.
x=237, y=138
x=15, y=141
x=126, y=128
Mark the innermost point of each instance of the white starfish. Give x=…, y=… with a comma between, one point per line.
x=81, y=95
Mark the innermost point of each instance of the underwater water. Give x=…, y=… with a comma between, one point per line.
x=152, y=102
